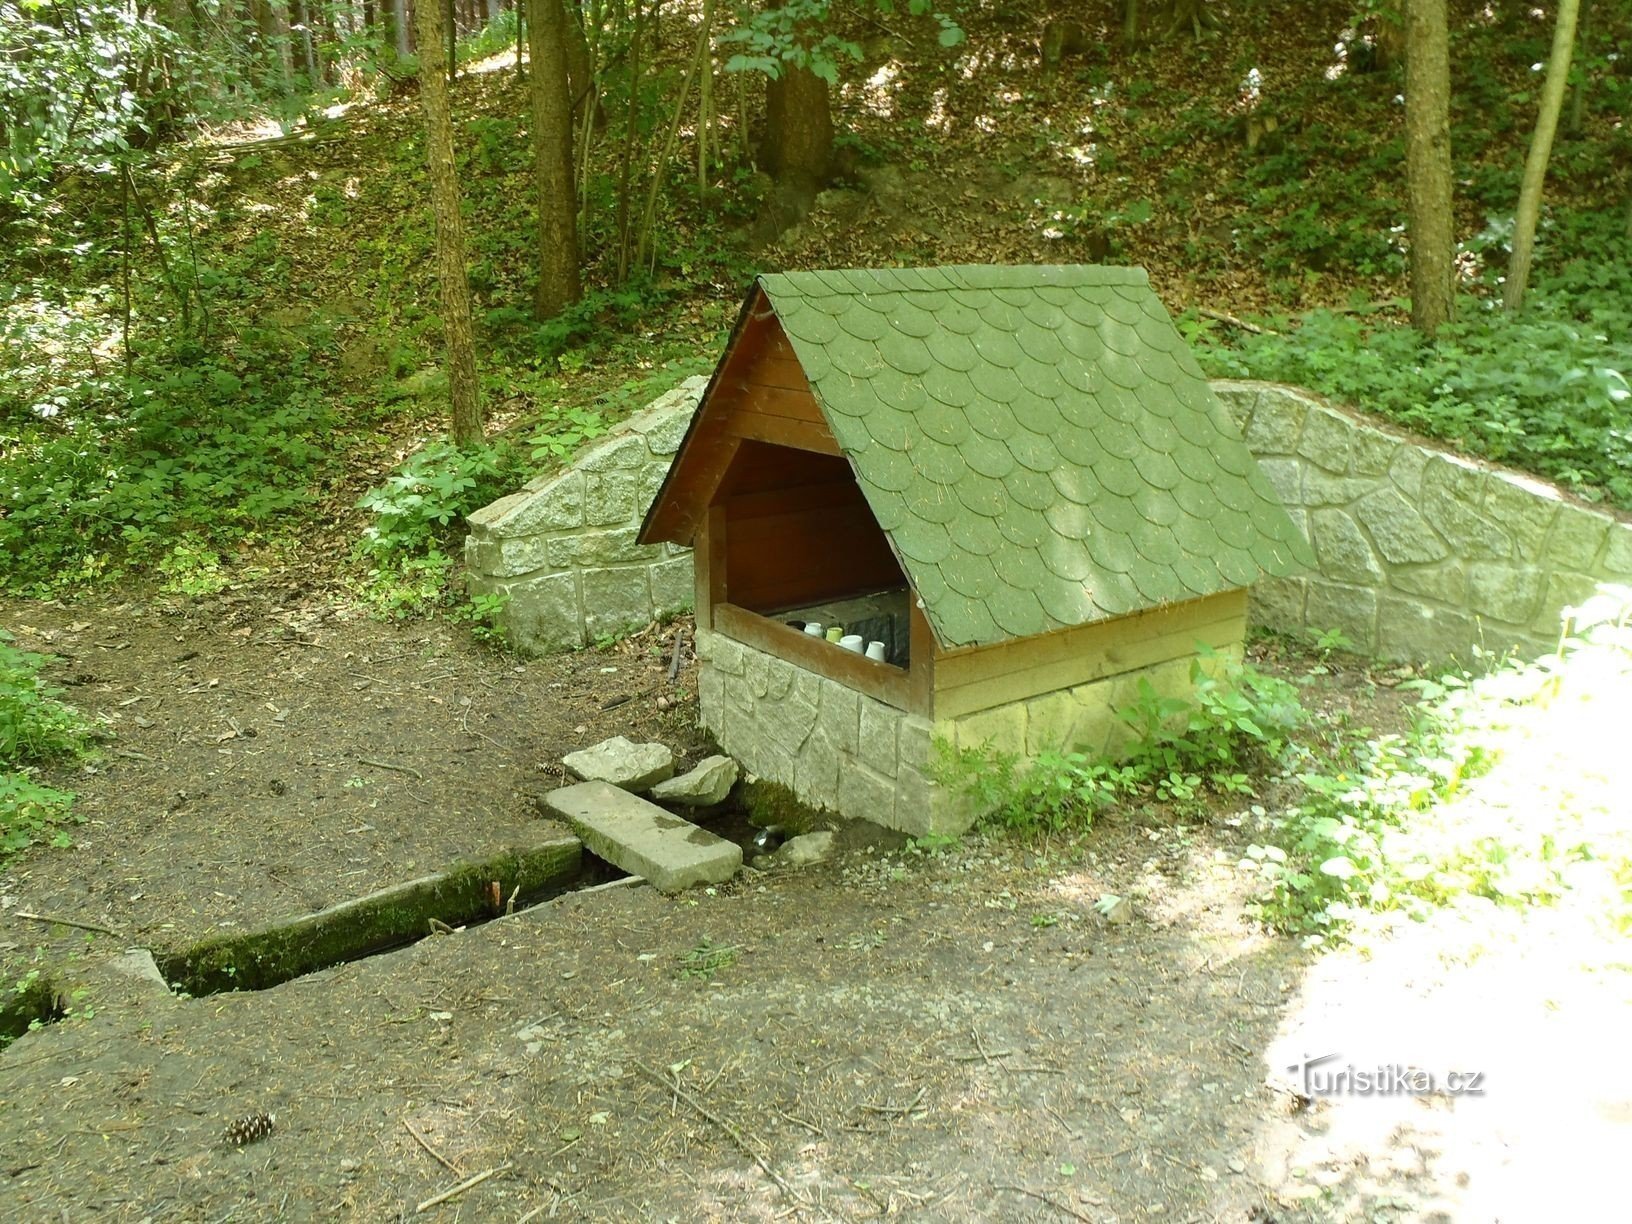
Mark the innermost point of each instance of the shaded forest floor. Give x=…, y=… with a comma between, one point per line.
x=936, y=1036
x=932, y=1035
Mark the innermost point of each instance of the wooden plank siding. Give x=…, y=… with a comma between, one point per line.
x=809, y=544
x=979, y=678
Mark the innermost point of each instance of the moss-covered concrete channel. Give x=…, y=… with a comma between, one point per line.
x=393, y=917
x=464, y=895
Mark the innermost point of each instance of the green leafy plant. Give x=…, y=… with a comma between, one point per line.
x=707, y=958
x=36, y=727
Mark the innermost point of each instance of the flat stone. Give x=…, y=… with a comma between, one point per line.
x=671, y=854
x=806, y=850
x=617, y=761
x=703, y=785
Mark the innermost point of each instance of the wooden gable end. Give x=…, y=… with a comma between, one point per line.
x=758, y=393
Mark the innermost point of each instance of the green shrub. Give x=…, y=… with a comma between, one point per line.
x=1238, y=717
x=36, y=727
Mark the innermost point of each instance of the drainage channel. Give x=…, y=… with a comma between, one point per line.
x=394, y=917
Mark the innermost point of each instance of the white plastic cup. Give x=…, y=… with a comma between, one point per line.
x=851, y=642
x=813, y=628
x=875, y=651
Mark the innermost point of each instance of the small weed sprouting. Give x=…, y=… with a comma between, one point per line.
x=707, y=958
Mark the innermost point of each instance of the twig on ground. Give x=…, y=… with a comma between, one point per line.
x=455, y=1191
x=810, y=1126
x=674, y=660
x=908, y=1108
x=748, y=1147
x=1221, y=317
x=432, y=1152
x=405, y=769
x=1046, y=1198
x=69, y=922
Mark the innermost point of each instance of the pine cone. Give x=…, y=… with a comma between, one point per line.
x=251, y=1128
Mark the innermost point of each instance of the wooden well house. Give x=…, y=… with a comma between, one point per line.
x=1012, y=483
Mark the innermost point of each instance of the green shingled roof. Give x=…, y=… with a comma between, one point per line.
x=1038, y=442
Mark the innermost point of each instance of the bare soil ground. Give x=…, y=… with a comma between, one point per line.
x=953, y=1036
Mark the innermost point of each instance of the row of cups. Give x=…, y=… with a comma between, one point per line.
x=845, y=641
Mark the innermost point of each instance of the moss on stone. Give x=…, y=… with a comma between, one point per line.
x=386, y=919
x=770, y=803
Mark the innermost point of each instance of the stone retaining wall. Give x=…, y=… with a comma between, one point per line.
x=1421, y=554
x=562, y=548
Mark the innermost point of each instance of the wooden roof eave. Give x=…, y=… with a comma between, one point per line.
x=667, y=520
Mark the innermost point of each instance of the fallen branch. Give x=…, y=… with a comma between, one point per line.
x=432, y=1152
x=455, y=1191
x=1051, y=1201
x=69, y=922
x=1221, y=317
x=674, y=661
x=748, y=1148
x=404, y=769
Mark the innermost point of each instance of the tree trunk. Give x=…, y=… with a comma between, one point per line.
x=450, y=232
x=1541, y=148
x=580, y=75
x=1428, y=164
x=558, y=283
x=306, y=52
x=798, y=131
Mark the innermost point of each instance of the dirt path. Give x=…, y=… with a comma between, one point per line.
x=955, y=1036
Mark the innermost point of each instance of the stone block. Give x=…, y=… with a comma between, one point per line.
x=726, y=654
x=597, y=548
x=838, y=716
x=610, y=497
x=807, y=849
x=1505, y=592
x=1372, y=451
x=1576, y=538
x=1470, y=534
x=878, y=730
x=1350, y=609
x=710, y=693
x=1276, y=424
x=1327, y=438
x=1054, y=723
x=1401, y=534
x=627, y=765
x=1406, y=469
x=618, y=452
x=1410, y=630
x=542, y=614
x=648, y=484
x=865, y=795
x=673, y=587
x=1239, y=399
x=1617, y=561
x=557, y=505
x=667, y=432
x=615, y=599
x=669, y=853
x=1002, y=729
x=786, y=724
x=703, y=785
x=1561, y=592
x=1341, y=549
x=915, y=742
x=1277, y=603
x=1285, y=477
x=1322, y=488
x=1526, y=509
x=816, y=772
x=1446, y=583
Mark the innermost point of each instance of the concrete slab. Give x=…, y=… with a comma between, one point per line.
x=670, y=853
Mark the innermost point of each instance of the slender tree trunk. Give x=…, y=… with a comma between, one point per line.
x=450, y=232
x=705, y=104
x=306, y=51
x=580, y=76
x=1428, y=164
x=1541, y=148
x=631, y=132
x=558, y=284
